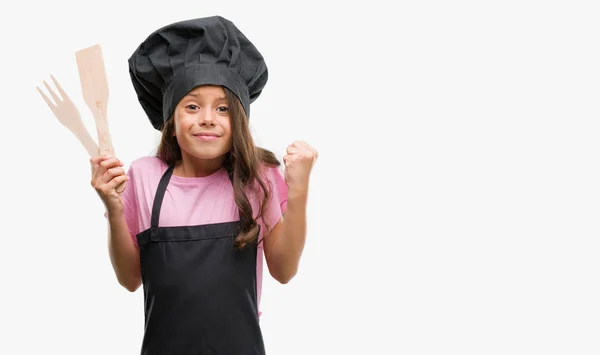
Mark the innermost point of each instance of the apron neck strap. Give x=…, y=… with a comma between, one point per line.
x=160, y=194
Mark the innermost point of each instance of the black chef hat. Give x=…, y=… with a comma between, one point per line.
x=180, y=56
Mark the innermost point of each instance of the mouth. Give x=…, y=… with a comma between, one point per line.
x=206, y=136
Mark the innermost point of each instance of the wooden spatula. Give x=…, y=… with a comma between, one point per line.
x=94, y=87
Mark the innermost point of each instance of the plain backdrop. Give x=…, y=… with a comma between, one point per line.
x=453, y=210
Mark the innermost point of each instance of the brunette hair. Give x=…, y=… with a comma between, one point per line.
x=243, y=163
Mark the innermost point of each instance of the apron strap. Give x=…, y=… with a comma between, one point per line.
x=160, y=194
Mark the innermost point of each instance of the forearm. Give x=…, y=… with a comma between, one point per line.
x=289, y=247
x=124, y=255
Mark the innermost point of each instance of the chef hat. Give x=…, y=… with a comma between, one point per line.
x=178, y=57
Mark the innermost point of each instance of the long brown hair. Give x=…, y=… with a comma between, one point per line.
x=243, y=164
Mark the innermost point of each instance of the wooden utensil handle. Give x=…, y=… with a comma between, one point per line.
x=86, y=140
x=104, y=138
x=105, y=146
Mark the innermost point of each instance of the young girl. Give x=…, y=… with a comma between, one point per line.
x=193, y=222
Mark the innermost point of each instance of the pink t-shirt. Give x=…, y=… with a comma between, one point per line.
x=196, y=201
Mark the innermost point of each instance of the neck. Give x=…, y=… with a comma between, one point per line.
x=190, y=166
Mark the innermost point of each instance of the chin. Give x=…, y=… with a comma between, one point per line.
x=207, y=153
x=208, y=156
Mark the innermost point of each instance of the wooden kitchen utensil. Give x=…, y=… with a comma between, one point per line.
x=67, y=114
x=94, y=87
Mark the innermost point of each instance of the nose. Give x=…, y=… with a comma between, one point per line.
x=207, y=118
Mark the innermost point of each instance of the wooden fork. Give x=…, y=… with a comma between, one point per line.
x=68, y=115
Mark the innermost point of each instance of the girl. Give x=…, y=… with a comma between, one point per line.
x=193, y=222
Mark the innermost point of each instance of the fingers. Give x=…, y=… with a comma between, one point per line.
x=105, y=161
x=112, y=173
x=110, y=162
x=288, y=158
x=108, y=175
x=292, y=149
x=95, y=160
x=110, y=180
x=306, y=146
x=115, y=182
x=104, y=169
x=303, y=145
x=102, y=163
x=111, y=186
x=300, y=147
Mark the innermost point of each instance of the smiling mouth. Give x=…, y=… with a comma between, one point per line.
x=206, y=136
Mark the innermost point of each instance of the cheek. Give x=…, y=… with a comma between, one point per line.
x=228, y=139
x=182, y=124
x=226, y=124
x=179, y=132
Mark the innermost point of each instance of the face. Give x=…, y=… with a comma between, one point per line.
x=203, y=125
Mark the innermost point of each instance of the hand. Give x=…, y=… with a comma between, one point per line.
x=299, y=161
x=107, y=174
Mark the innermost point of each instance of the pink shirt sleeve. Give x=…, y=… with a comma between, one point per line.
x=278, y=199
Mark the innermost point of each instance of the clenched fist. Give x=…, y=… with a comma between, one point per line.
x=299, y=161
x=107, y=174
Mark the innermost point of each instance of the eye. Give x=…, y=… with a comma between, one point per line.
x=223, y=108
x=192, y=107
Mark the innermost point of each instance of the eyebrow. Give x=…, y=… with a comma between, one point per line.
x=220, y=98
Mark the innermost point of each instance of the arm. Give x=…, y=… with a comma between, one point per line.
x=285, y=243
x=107, y=174
x=124, y=254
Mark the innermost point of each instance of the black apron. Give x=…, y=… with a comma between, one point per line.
x=199, y=291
